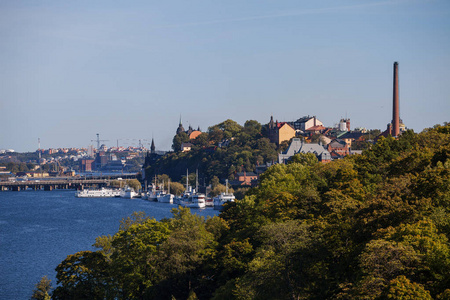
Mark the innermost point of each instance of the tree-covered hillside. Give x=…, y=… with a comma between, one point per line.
x=244, y=148
x=374, y=226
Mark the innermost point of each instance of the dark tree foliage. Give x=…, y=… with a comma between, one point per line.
x=179, y=139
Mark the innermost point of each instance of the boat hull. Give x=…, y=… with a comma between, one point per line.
x=165, y=198
x=128, y=193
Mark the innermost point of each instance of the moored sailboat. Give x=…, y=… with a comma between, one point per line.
x=191, y=198
x=165, y=197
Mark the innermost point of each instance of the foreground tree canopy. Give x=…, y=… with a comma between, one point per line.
x=372, y=226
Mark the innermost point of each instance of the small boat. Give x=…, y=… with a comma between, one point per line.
x=181, y=199
x=191, y=200
x=163, y=196
x=98, y=193
x=128, y=193
x=209, y=202
x=196, y=201
x=154, y=192
x=153, y=195
x=223, y=198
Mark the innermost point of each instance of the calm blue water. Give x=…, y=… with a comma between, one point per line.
x=38, y=229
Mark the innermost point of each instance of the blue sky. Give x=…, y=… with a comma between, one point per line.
x=129, y=69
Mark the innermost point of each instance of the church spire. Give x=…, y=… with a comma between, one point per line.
x=180, y=127
x=152, y=147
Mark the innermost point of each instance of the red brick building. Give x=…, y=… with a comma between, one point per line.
x=338, y=148
x=86, y=165
x=246, y=178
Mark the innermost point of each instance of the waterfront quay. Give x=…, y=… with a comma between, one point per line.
x=61, y=183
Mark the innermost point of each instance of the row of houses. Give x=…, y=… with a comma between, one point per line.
x=279, y=132
x=325, y=153
x=334, y=143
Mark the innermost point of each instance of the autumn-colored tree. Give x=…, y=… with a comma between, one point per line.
x=43, y=289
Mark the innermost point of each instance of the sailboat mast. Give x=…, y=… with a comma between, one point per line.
x=196, y=181
x=226, y=181
x=187, y=179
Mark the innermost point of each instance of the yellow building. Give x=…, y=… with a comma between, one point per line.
x=37, y=174
x=280, y=131
x=284, y=132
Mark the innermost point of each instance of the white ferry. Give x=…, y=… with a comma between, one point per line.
x=97, y=193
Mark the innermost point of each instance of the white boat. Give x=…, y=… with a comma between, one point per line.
x=164, y=197
x=128, y=193
x=180, y=199
x=152, y=195
x=144, y=196
x=98, y=193
x=196, y=201
x=192, y=200
x=154, y=191
x=184, y=198
x=222, y=198
x=209, y=202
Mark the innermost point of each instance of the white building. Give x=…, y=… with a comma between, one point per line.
x=306, y=123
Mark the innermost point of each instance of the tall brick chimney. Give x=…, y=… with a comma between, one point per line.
x=396, y=107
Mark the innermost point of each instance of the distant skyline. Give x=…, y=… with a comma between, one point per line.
x=128, y=70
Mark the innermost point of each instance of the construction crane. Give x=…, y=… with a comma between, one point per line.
x=98, y=140
x=58, y=169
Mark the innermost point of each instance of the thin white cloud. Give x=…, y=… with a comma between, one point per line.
x=284, y=14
